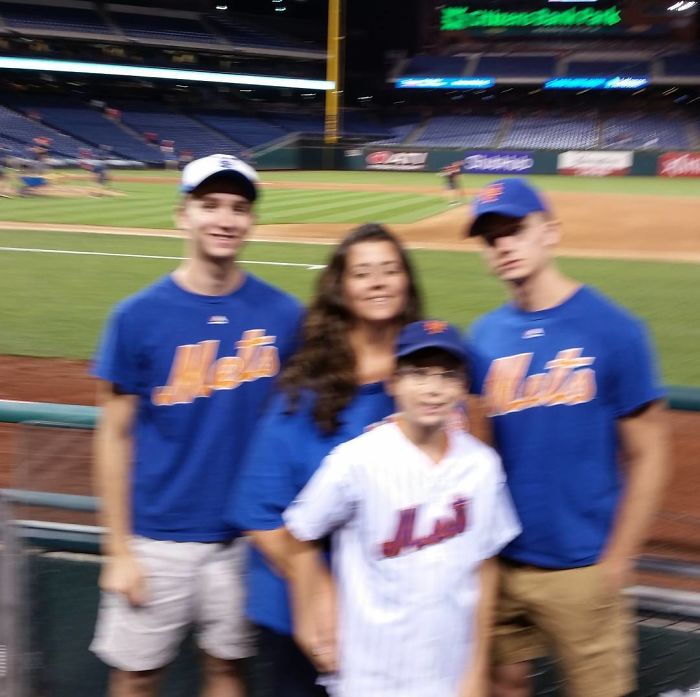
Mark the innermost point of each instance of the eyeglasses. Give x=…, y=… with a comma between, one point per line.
x=422, y=376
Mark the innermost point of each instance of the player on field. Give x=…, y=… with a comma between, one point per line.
x=418, y=511
x=185, y=368
x=331, y=391
x=569, y=381
x=452, y=174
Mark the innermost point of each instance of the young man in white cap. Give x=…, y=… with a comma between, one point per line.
x=184, y=367
x=569, y=381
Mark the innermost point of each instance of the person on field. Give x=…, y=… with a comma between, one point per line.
x=452, y=174
x=185, y=367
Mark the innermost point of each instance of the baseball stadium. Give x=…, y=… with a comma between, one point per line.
x=351, y=112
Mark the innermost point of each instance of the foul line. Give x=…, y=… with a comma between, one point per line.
x=309, y=267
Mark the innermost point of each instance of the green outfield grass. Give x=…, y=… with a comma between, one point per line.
x=55, y=304
x=150, y=204
x=645, y=186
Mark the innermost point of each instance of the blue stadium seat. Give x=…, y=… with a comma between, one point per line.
x=461, y=131
x=644, y=133
x=516, y=66
x=552, y=132
x=186, y=132
x=53, y=17
x=682, y=64
x=436, y=66
x=608, y=68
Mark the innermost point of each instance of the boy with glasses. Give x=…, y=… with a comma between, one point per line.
x=417, y=512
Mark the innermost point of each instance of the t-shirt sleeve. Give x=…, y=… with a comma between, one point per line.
x=635, y=378
x=266, y=484
x=327, y=501
x=500, y=524
x=117, y=356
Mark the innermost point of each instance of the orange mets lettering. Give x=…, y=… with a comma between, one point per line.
x=195, y=372
x=568, y=381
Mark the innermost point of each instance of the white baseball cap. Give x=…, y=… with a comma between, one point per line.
x=198, y=171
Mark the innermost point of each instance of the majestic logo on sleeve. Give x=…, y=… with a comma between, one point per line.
x=568, y=380
x=196, y=372
x=443, y=529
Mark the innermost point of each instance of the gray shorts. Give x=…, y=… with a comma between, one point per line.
x=189, y=584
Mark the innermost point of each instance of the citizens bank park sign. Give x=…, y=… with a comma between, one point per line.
x=404, y=161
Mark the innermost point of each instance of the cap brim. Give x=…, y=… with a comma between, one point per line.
x=434, y=344
x=250, y=191
x=473, y=229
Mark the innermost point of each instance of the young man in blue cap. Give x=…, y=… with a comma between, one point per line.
x=185, y=367
x=417, y=511
x=569, y=381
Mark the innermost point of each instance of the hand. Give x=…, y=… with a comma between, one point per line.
x=123, y=574
x=616, y=572
x=316, y=632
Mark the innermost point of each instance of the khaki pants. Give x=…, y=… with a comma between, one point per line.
x=571, y=614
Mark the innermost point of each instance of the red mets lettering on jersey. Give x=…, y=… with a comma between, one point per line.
x=443, y=529
x=568, y=380
x=196, y=372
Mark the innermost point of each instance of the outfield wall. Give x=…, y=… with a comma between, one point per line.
x=499, y=162
x=311, y=154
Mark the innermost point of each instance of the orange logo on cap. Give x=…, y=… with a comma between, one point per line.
x=491, y=193
x=435, y=326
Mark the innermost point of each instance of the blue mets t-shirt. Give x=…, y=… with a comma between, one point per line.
x=555, y=382
x=285, y=451
x=203, y=368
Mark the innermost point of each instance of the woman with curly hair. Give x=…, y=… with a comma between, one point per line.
x=331, y=390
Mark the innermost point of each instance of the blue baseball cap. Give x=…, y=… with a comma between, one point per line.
x=430, y=333
x=514, y=197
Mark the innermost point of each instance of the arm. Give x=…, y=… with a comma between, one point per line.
x=112, y=454
x=276, y=546
x=474, y=682
x=325, y=504
x=311, y=589
x=314, y=604
x=644, y=441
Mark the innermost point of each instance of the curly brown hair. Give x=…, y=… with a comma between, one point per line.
x=325, y=362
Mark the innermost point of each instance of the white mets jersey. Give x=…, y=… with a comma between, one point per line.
x=409, y=537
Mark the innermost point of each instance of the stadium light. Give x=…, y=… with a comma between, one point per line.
x=112, y=70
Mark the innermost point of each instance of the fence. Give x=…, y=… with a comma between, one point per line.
x=49, y=565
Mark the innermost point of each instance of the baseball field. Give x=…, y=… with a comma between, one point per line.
x=65, y=260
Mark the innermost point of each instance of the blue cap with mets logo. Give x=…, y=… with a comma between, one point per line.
x=514, y=197
x=430, y=333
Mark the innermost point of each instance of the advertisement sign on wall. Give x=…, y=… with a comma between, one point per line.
x=400, y=161
x=497, y=162
x=594, y=163
x=679, y=164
